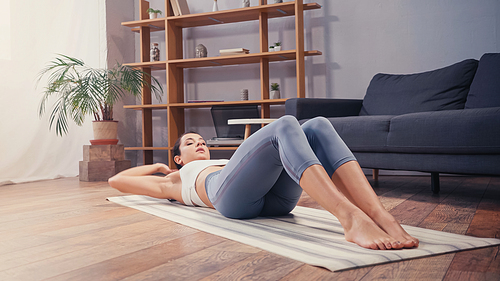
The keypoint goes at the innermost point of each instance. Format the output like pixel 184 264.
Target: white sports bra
pixel 189 173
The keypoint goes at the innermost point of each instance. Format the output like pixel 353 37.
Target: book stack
pixel 232 52
pixel 179 7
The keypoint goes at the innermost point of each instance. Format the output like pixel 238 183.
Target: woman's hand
pixel 164 169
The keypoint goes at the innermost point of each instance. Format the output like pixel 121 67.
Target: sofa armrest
pixel 306 108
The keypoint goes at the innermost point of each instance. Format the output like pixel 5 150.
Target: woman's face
pixel 192 147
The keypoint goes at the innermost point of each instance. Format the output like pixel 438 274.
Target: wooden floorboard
pixel 481 264
pixel 200 264
pixel 64 229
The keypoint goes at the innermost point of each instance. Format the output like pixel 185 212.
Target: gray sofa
pixel 441 121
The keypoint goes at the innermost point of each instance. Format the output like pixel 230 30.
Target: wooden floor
pixel 65 230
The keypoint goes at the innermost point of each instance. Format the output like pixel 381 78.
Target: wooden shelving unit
pixel 175 63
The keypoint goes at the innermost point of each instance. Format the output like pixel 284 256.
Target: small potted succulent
pixel 275 91
pixel 153 14
pixel 277 46
pixel 271 48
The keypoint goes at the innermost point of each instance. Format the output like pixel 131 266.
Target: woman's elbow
pixel 114 182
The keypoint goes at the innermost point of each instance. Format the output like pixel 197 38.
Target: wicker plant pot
pixel 105 132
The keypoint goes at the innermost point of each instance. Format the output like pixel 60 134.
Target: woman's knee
pixel 316 125
pixel 317 122
pixel 287 124
pixel 288 120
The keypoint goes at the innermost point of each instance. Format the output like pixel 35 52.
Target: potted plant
pixel 275 91
pixel 277 46
pixel 271 48
pixel 82 90
pixel 153 14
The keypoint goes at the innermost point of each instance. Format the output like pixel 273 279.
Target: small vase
pixel 154 52
pixel 215 8
pixel 277 48
pixel 244 94
pixel 153 15
pixel 275 94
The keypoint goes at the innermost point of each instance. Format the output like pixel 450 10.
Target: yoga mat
pixel 307 235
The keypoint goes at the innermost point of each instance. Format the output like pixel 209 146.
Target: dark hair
pixel 177 144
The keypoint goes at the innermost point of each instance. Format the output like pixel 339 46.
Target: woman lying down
pixel 266 176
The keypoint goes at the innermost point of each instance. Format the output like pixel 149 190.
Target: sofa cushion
pixel 467 131
pixel 485 88
pixel 363 133
pixel 441 89
pixel 481 164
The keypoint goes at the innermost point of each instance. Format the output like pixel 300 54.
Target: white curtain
pixel 31 34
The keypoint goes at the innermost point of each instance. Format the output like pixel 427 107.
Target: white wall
pixel 407 36
pixel 358 39
pixel 35 31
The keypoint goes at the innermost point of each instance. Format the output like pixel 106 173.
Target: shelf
pixel 239 15
pixel 240 59
pixel 222 17
pixel 225 60
pixel 154 24
pixel 154 65
pixel 246 102
pixel 204 104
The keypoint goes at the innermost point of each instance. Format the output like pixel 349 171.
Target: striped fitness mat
pixel 307 235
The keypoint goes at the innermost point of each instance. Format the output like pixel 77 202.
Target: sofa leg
pixel 435 183
pixel 375 174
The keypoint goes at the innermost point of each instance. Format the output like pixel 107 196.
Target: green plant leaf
pixel 81 90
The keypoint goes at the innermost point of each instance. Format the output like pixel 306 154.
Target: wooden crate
pixel 100 162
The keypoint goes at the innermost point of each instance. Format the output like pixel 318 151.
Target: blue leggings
pixel 262 177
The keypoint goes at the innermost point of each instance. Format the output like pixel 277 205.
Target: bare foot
pixel 387 222
pixel 362 230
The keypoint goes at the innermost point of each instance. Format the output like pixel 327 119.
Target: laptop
pixel 231 135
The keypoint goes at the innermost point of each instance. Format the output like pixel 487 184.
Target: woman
pixel 266 176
